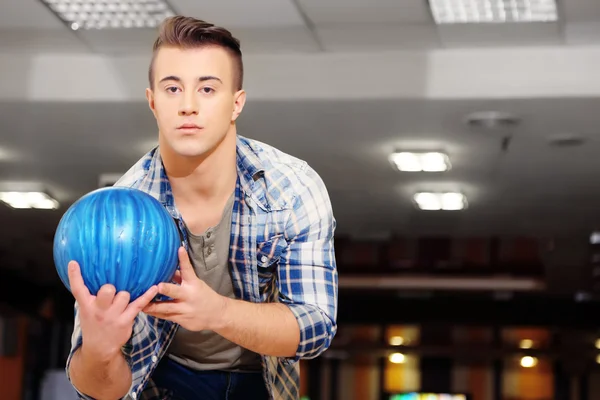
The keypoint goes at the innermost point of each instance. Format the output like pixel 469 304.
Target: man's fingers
pixel 121 301
pixel 176 277
pixel 105 296
pixel 162 309
pixel 171 290
pixel 185 266
pixel 78 288
pixel 135 307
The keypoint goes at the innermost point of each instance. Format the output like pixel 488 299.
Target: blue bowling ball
pixel 120 236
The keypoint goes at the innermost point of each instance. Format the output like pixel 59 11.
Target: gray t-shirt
pixel 206 350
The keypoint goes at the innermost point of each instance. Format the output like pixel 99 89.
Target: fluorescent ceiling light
pixel 420 162
pixel 106 14
pixel 36 200
pixel 493 11
pixel 449 201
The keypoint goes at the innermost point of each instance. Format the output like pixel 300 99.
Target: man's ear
pixel 238 105
pixel 150 98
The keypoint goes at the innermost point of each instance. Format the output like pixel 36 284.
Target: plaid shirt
pixel 281 250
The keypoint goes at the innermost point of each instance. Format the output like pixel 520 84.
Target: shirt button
pixel 208 235
pixel 208 251
pixel 154 359
pixel 133 395
pixel 264 259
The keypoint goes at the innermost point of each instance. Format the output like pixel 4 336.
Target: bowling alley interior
pixel 458 141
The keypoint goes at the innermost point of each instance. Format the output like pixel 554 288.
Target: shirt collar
pixel 156 182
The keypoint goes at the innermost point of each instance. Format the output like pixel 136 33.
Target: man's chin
pixel 190 148
pixel 191 151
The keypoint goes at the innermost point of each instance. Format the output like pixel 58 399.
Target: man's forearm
pixel 265 328
pixel 108 379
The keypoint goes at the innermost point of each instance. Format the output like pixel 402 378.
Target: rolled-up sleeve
pixel 76 340
pixel 308 280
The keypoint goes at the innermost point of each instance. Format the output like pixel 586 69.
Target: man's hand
pixel 195 306
pixel 106 319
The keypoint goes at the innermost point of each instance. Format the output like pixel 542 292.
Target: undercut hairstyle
pixel 188 33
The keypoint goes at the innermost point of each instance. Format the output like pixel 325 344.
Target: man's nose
pixel 189 104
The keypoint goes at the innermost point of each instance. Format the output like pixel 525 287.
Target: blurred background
pixel 458 139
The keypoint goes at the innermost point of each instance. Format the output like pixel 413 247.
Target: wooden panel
pixel 366 380
pixel 536 383
pixel 404 377
pixel 401 253
pixel 520 255
pixel 11 367
pixel 471 253
pixel 434 252
pixel 303 378
pixel 540 337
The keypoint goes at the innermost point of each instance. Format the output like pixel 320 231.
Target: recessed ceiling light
pixel 449 201
pixel 528 362
pixel 92 14
pixel 37 200
pixel 493 11
pixel 420 162
pixel 397 358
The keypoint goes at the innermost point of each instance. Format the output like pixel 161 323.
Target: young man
pixel 257 287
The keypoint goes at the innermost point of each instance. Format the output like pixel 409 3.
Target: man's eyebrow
pixel 201 79
pixel 209 78
pixel 170 78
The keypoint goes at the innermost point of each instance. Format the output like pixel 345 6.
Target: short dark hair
pixel 188 32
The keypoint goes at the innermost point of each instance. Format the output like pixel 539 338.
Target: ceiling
pixel 267 26
pixel 374 75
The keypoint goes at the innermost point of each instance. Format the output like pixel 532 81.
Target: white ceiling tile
pixel 323 12
pixel 516 34
pixel 31 14
pixel 241 13
pixel 276 40
pixel 582 33
pixel 36 41
pixel 581 10
pixel 253 40
pixel 379 37
pixel 119 41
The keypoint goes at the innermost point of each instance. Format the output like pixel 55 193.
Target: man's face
pixel 194 99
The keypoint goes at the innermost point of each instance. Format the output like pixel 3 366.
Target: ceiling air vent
pixel 492 120
pixel 566 140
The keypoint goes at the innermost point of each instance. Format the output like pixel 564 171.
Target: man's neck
pixel 207 180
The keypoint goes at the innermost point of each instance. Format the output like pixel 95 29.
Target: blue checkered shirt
pixel 281 250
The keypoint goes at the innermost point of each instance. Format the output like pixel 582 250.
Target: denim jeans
pixel 187 384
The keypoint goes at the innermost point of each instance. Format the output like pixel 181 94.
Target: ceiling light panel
pixel 449 201
pixel 37 200
pixel 493 11
pixel 110 14
pixel 420 161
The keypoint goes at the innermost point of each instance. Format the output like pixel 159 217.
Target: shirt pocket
pixel 268 256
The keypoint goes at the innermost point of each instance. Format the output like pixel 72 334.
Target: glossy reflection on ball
pixel 120 236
